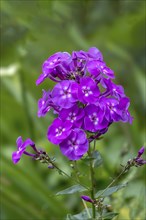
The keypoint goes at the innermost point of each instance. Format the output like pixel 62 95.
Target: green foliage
pixel 109 191
pixel 30 32
pixel 109 216
pixel 81 215
pixel 71 190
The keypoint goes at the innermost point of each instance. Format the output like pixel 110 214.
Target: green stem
pixel 114 180
pixel 76 170
pixel 92 184
pixel 63 172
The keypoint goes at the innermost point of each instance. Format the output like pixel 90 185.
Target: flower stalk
pixel 92 184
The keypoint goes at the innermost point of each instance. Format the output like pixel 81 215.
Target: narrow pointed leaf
pixel 109 191
pixel 109 215
pixel 72 189
pixel 97 159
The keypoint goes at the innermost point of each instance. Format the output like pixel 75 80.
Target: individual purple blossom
pixel 45 104
pixel 95 67
pixel 87 199
pixel 74 115
pixel 54 67
pixel 116 110
pixel 99 70
pixel 94 119
pixel 88 90
pixel 21 149
pixel 112 89
pixel 95 53
pixel 64 94
pixel 59 130
pixel 75 145
pixel 123 105
pixel 77 68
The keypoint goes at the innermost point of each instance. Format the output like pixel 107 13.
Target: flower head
pixel 21 147
pixel 85 99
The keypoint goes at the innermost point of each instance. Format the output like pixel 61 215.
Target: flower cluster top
pixel 85 100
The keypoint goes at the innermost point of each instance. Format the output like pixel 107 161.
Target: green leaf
pixel 109 191
pixel 109 215
pixel 82 215
pixel 72 189
pixel 97 159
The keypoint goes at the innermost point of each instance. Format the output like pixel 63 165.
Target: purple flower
pixel 74 115
pixel 109 73
pixel 64 93
pixel 138 160
pixel 54 67
pixel 59 130
pixel 94 119
pixel 95 68
pixel 112 89
pixel 99 70
pixel 45 104
pixel 78 65
pixel 124 104
pixel 76 145
pixel 87 199
pixel 115 110
pixel 88 90
pixel 94 53
pixel 21 147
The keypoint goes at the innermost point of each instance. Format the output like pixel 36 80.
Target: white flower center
pixel 86 90
pixel 59 131
pixel 93 117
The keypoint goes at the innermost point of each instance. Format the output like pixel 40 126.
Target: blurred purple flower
pixel 95 53
pixel 21 147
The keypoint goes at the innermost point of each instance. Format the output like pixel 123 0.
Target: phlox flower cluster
pixel 85 100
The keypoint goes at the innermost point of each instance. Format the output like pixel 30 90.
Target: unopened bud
pixel 109 208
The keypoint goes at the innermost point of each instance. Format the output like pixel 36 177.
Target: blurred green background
pixel 32 30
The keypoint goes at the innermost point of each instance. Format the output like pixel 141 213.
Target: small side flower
pixel 21 149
